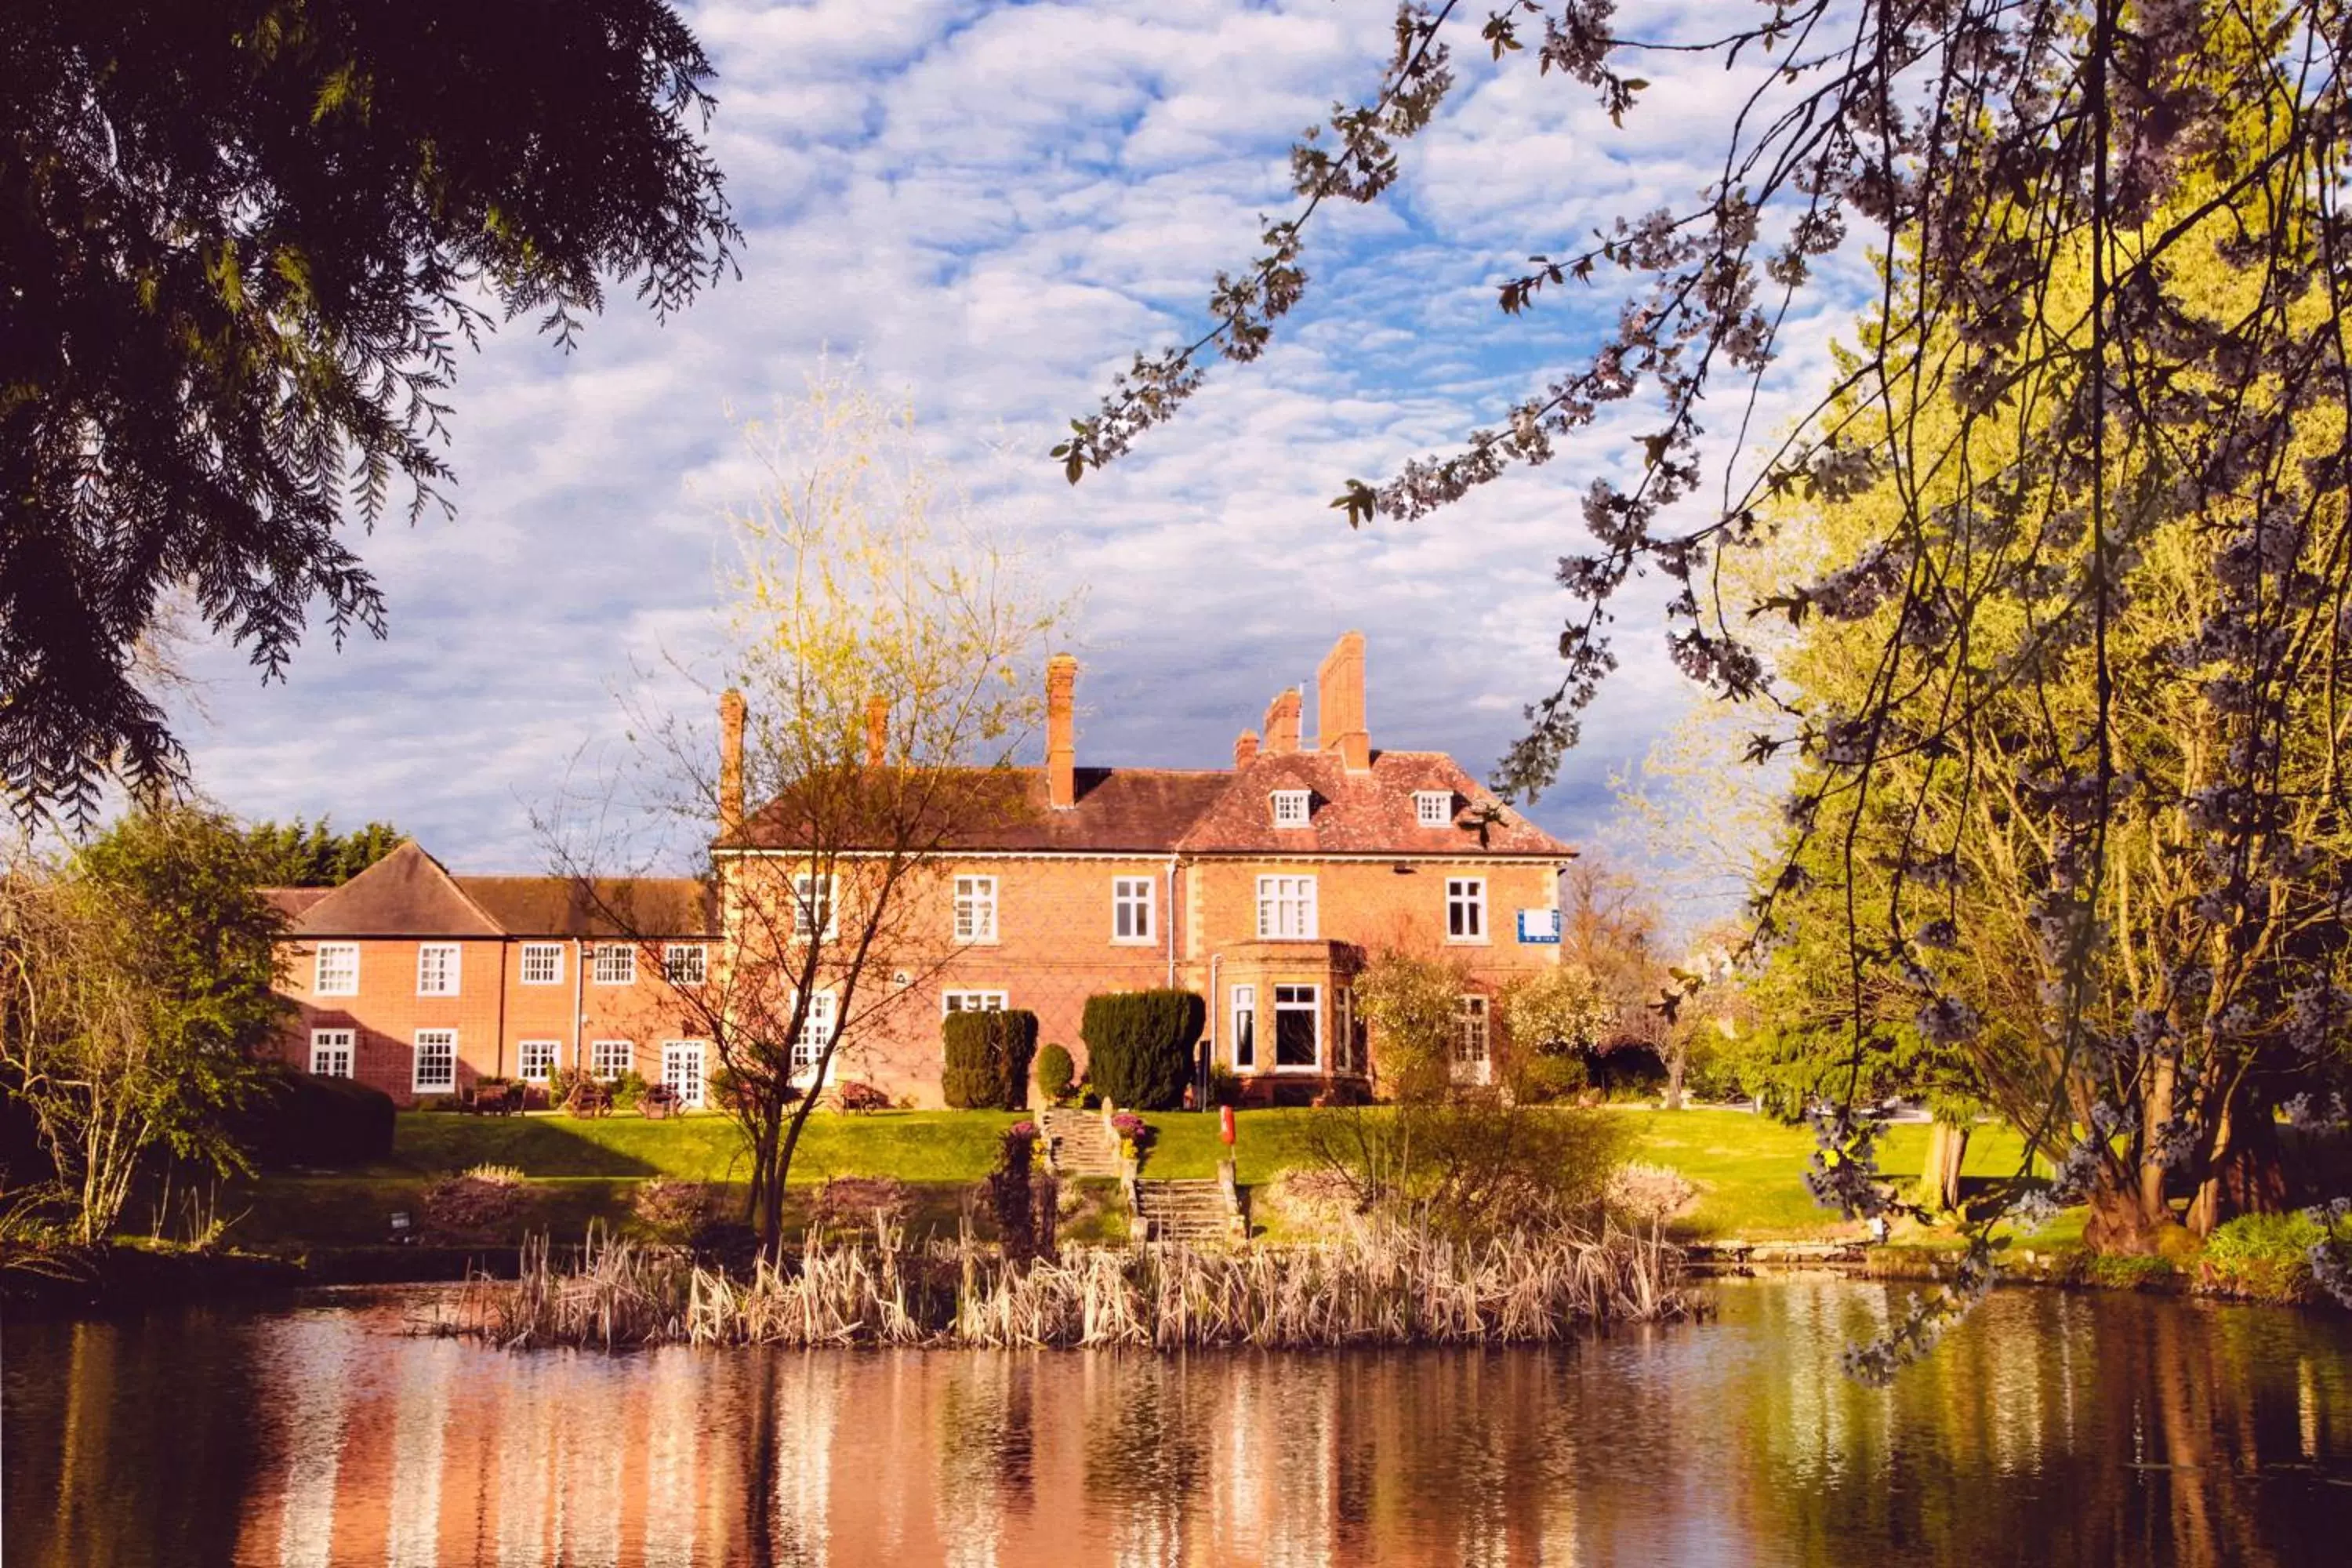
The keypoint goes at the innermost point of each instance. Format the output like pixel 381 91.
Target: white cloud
pixel 994 207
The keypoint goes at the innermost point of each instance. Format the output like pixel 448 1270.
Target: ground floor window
pixel 1471 1038
pixel 435 1068
pixel 1244 1051
pixel 972 1001
pixel 331 1051
pixel 611 1058
pixel 817 1031
pixel 1348 1045
pixel 1297 1027
pixel 537 1061
pixel 682 1071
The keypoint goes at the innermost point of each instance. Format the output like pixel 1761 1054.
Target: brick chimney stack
pixel 1282 723
pixel 1061 732
pixel 1244 750
pixel 878 731
pixel 1339 704
pixel 731 763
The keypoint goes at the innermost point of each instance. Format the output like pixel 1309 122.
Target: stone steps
pixel 1077 1145
pixel 1183 1210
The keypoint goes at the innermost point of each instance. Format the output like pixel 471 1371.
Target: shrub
pixel 484 1200
pixel 674 1211
pixel 1010 1194
pixel 1649 1194
pixel 300 1119
pixel 860 1097
pixel 854 1203
pixel 1139 1045
pixel 2267 1256
pixel 1056 1073
pixel 626 1089
pixel 988 1059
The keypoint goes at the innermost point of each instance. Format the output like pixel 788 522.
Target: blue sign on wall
pixel 1540 926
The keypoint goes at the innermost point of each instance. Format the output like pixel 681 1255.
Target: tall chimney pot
pixel 1061 732
pixel 1282 723
pixel 731 763
pixel 1339 704
pixel 1244 750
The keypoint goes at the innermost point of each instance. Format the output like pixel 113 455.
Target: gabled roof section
pixel 617 906
pixel 291 902
pixel 1362 814
pixel 1118 810
pixel 406 893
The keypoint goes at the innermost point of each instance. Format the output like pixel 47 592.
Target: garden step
pixel 1183 1210
pixel 1078 1145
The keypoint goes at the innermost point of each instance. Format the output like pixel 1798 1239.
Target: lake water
pixel 2051 1428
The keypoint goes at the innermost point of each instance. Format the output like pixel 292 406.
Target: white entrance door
pixel 682 1071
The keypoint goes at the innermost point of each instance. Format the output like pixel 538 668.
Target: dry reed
pixel 1388 1286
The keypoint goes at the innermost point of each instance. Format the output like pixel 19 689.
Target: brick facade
pixel 1381 838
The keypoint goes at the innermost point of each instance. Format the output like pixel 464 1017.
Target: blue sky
pixel 992 207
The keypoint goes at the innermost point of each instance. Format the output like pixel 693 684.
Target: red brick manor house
pixel 1260 885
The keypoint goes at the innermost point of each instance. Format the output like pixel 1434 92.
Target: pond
pixel 2051 1428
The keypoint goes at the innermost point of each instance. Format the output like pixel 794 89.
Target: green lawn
pixel 1749 1169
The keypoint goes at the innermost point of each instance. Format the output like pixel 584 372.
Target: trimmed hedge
pixel 1056 1072
pixel 300 1119
pixel 988 1059
pixel 1139 1045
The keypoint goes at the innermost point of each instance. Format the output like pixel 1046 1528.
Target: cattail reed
pixel 1389 1286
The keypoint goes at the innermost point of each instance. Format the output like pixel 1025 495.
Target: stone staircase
pixel 1195 1212
pixel 1078 1145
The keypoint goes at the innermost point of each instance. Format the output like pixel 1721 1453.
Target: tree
pixel 313 854
pixel 2045 410
pixel 1553 1021
pixel 239 243
pixel 137 985
pixel 883 653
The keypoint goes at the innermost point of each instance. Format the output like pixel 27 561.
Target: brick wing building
pixel 1261 885
pixel 421 982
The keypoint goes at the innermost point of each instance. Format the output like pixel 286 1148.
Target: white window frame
pixel 1244 1011
pixel 697 1083
pixel 976 909
pixel 968 1001
pixel 1474 1037
pixel 1466 910
pixel 1344 1056
pixel 612 963
pixel 1313 1008
pixel 1131 906
pixel 609 1059
pixel 1285 909
pixel 451 979
pixel 329 1043
pixel 686 962
pixel 441 1084
pixel 526 1049
pixel 543 963
pixel 821 1022
pixel 322 976
pixel 808 901
pixel 1292 808
pixel 1432 808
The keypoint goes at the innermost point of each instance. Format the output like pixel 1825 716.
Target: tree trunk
pixel 2247 1173
pixel 1940 1179
pixel 1677 1064
pixel 2122 1222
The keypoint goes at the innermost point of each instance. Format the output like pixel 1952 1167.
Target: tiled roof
pixel 561 906
pixel 1136 810
pixel 1361 813
pixel 409 893
pixel 1159 811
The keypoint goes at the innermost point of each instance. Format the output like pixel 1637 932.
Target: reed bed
pixel 1388 1287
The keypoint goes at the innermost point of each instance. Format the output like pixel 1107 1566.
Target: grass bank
pixel 1748 1170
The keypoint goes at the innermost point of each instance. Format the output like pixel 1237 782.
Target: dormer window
pixel 1290 808
pixel 1433 807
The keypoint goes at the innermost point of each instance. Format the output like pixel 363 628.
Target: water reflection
pixel 2053 1429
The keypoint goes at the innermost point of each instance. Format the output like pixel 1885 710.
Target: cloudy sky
pixel 991 207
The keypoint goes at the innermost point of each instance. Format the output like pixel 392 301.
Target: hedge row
pixel 988 1059
pixel 1141 1044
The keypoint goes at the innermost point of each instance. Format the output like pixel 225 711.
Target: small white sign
pixel 1540 926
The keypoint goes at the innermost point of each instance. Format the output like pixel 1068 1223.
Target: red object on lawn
pixel 1225 1124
